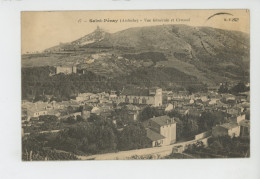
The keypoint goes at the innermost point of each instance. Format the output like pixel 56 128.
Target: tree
pixel 48 118
pixel 223 88
pixel 71 119
pixel 179 128
pixel 149 112
pixel 240 87
pixel 190 127
pixel 208 120
pixel 79 118
pixel 132 137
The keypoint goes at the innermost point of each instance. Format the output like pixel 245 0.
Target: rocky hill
pixel 206 54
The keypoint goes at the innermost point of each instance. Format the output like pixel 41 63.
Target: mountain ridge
pixel 209 54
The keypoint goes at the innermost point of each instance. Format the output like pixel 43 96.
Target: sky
pixel 44 29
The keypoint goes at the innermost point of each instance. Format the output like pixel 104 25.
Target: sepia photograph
pixel 135 84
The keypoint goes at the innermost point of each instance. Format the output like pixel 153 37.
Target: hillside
pixel 205 54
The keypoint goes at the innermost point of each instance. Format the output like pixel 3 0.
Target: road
pixel 123 155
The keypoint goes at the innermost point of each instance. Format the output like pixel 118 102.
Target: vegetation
pixel 223 88
pixel 85 138
pixel 133 136
pixel 47 155
pixel 207 120
pixel 221 147
pixel 238 88
pixel 145 157
pixel 154 56
pixel 37 82
pixel 149 112
pixel 34 148
pixel 188 125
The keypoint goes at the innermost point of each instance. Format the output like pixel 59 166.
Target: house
pixel 213 101
pixel 151 96
pixel 83 96
pixel 181 95
pixel 169 108
pixel 36 113
pixel 232 111
pixel 167 96
pixel 96 110
pixel 165 129
pixel 204 98
pixel 193 112
pixel 133 112
pixel 230 129
pixel 75 114
pixel 85 114
pixel 156 138
pixel 112 94
pixel 66 69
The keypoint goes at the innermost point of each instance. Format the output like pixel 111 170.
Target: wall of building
pixel 37 114
pixel 244 131
pixel 241 118
pixel 74 69
pixel 136 99
pixel 158 143
pixel 66 70
pixel 169 132
pixel 234 132
pixel 155 100
pixel 202 135
pixel 158 97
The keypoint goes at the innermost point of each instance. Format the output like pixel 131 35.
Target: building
pixel 36 113
pixel 230 129
pixel 244 128
pixel 132 112
pixel 112 94
pixel 141 96
pixel 169 108
pixel 161 130
pixel 66 69
pixel 83 96
pixel 85 114
pixel 155 138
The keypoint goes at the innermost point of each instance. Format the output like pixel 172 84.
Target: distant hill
pixel 206 54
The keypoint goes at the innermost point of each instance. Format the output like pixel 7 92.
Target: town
pixel 134 119
pixel 151 92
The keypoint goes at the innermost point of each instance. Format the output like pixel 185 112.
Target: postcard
pixel 135 84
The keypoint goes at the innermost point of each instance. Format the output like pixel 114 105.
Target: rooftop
pixel 153 136
pixel 162 120
pixel 229 125
pixel 244 123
